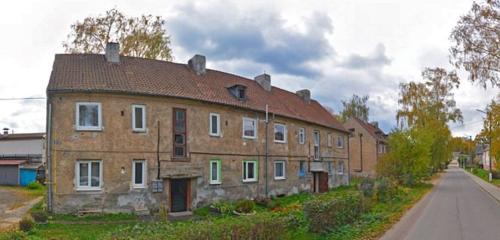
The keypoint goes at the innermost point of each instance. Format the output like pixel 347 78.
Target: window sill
pixel 249 138
pixel 88 129
pixel 280 142
pixel 88 189
pixel 213 135
pixel 280 178
pixel 139 130
pixel 215 183
pixel 138 187
pixel 181 159
pixel 250 181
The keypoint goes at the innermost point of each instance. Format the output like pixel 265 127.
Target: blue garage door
pixel 27 176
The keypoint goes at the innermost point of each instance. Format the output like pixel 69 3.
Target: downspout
pixel 361 151
pixel 158 152
pixel 348 160
pixel 48 130
pixel 266 149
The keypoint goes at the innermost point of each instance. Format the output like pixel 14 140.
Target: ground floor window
pixel 215 172
pixel 250 171
pixel 89 175
pixel 279 170
pixel 341 168
pixel 330 168
pixel 139 173
pixel 302 168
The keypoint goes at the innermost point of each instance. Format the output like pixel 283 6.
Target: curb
pixel 480 182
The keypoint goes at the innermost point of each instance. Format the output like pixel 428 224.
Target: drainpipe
pixel 48 130
pixel 266 149
pixel 158 152
pixel 361 151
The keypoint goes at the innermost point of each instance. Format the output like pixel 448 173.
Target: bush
pixel 385 190
pixel 329 213
pixel 26 224
pixel 245 206
pixel 34 186
pixel 267 203
pixel 223 208
pixel 366 186
pixel 40 216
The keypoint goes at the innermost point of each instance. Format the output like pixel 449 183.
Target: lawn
pixel 483 174
pixel 24 194
pixel 284 215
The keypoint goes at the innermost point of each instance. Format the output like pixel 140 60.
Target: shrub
pixel 366 186
pixel 222 207
pixel 26 224
pixel 13 235
pixel 385 190
pixel 40 216
pixel 34 186
pixel 267 203
pixel 329 213
pixel 245 206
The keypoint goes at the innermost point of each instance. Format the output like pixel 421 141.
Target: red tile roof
pixel 92 73
pixel 376 132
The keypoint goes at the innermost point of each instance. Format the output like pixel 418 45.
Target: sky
pixel 334 48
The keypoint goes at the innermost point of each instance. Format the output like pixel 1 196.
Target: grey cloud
pixel 377 59
pixel 259 36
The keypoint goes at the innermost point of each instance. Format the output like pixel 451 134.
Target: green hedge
pixel 328 213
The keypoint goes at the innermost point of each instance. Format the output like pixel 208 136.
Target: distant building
pixel 21 156
pixel 366 145
pixel 485 158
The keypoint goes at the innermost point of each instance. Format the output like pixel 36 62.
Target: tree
pixel 143 36
pixel 476 47
pixel 355 107
pixel 491 129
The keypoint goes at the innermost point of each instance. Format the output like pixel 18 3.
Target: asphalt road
pixel 457 209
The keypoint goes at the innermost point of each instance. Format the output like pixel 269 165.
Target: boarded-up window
pixel 179 132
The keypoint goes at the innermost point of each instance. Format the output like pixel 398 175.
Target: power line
pixel 27 98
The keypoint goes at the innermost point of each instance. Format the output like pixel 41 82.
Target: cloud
pixel 377 59
pixel 254 35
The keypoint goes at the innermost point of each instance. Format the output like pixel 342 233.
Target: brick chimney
pixel 197 64
pixel 305 94
pixel 112 52
pixel 264 80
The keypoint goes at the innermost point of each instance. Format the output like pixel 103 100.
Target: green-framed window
pixel 215 172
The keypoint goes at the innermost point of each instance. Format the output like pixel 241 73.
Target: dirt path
pixel 13 206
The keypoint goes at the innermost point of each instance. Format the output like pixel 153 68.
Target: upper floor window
pixel 280 133
pixel 381 148
pixel 88 116
pixel 139 118
pixel 238 91
pixel 179 132
pixel 340 142
pixel 302 135
pixel 139 173
pixel 88 175
pixel 279 170
pixel 249 128
pixel 214 124
pixel 316 145
pixel 329 140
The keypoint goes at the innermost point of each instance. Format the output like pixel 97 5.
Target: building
pixel 485 158
pixel 131 134
pixel 20 157
pixel 367 144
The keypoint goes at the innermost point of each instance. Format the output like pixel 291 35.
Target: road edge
pixel 399 230
pixel 492 190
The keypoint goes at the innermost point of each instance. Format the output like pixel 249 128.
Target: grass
pixel 24 193
pixel 370 225
pixel 484 174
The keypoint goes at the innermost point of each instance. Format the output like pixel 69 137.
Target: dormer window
pixel 238 91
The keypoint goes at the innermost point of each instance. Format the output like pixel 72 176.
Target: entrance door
pixel 323 182
pixel 179 195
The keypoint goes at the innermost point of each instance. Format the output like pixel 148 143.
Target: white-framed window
pixel 249 128
pixel 302 136
pixel 329 140
pixel 139 118
pixel 340 142
pixel 88 175
pixel 139 171
pixel 316 145
pixel 250 171
pixel 381 148
pixel 214 122
pixel 88 116
pixel 215 172
pixel 340 169
pixel 330 168
pixel 302 168
pixel 279 170
pixel 280 133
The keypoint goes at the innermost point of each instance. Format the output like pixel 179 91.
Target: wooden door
pixel 179 195
pixel 323 182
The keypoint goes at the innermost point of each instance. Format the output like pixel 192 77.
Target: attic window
pixel 238 91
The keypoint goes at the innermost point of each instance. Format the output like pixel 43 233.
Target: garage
pixel 9 172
